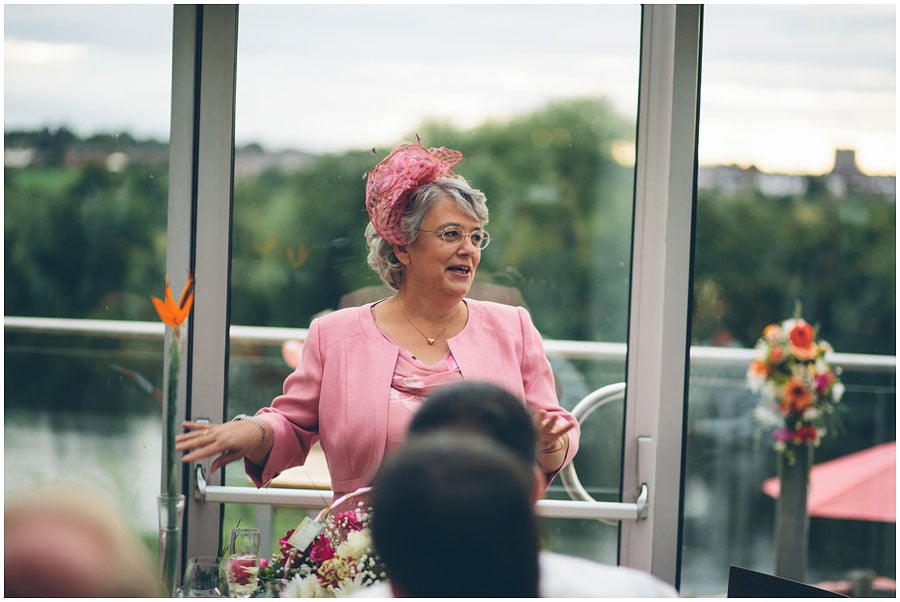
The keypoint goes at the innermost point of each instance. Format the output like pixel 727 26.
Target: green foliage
pixel 87 242
pixel 756 257
pixel 83 243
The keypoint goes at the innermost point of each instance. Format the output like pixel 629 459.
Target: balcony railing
pixel 587 350
pixel 572 350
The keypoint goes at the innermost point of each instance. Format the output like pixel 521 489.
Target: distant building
pixel 733 179
pixel 844 176
pixel 18 157
pixel 251 161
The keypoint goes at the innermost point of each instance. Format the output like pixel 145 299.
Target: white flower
pixel 349 587
pixel 767 416
pixel 357 544
pixel 756 382
pixel 811 414
pixel 837 391
pixel 304 587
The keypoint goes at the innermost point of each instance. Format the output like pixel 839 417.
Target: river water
pixel 117 455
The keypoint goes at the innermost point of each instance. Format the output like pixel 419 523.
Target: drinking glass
pixel 202 578
pixel 243 562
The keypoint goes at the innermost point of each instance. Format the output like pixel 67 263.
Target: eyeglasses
pixel 454 236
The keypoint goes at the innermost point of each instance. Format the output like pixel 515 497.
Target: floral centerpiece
pixel 338 562
pixel 799 391
pixel 799 396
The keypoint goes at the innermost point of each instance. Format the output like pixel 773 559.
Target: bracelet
pixel 252 420
pixel 561 445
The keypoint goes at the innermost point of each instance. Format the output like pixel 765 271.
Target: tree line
pixel 86 241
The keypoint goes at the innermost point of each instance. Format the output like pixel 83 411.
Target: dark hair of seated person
pixel 452 517
pixel 481 408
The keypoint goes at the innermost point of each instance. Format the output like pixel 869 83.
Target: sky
pixel 782 87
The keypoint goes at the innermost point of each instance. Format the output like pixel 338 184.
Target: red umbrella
pixel 858 486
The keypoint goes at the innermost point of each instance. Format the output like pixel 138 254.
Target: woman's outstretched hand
pixel 553 443
pixel 229 442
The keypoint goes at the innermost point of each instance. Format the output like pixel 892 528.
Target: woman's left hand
pixel 551 430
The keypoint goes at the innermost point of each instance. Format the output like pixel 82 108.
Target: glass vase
pixel 792 518
pixel 171 510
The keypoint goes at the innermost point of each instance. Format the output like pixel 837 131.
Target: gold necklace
pixel 429 339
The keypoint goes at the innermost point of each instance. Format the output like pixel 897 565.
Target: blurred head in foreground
pixel 69 542
pixel 451 501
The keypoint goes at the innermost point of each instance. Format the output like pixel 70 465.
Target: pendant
pixel 430 340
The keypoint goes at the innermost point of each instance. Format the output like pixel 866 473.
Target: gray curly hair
pixel 381 253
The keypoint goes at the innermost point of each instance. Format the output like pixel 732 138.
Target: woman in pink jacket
pixel 365 370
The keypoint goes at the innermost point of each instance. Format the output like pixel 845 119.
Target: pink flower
pixel 322 549
pixel 824 381
pixel 783 435
pixel 349 520
pixel 284 543
pixel 776 355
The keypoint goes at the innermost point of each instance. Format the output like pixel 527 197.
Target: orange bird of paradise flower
pixel 173 314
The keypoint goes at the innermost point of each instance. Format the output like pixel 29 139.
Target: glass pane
pixel 541 100
pixel 796 208
pixel 86 110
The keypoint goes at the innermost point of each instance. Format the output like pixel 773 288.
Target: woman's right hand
pixel 229 442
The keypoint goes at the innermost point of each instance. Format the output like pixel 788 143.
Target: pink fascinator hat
pixel 391 182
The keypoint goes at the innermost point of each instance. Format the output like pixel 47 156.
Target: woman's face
pixel 434 265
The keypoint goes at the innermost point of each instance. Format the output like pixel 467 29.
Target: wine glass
pixel 201 578
pixel 243 562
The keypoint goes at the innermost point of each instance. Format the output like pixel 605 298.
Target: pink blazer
pixel 339 391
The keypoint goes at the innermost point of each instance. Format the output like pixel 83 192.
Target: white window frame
pixel 199 236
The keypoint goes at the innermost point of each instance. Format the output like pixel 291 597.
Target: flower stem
pixel 171 482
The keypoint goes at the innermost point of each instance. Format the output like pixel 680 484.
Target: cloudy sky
pixel 783 86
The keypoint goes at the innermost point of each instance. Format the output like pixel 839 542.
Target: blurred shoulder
pixel 572 576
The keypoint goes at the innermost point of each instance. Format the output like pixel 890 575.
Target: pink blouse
pixel 412 382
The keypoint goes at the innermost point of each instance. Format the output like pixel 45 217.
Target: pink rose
pixel 776 355
pixel 322 549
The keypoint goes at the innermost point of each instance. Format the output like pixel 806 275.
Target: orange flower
pixel 171 313
pixel 796 396
pixel 759 369
pixel 802 334
pixel 803 340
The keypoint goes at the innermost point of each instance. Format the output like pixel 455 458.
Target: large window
pixel 541 101
pixel 86 117
pixel 796 204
